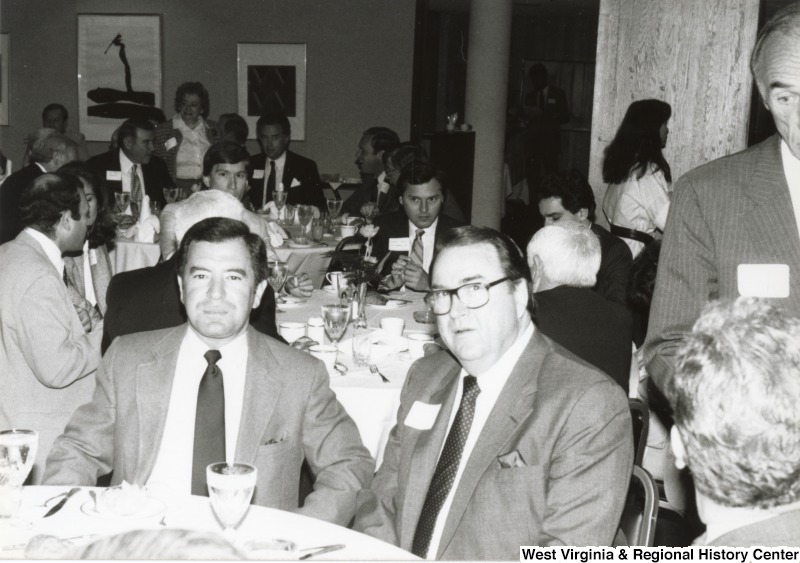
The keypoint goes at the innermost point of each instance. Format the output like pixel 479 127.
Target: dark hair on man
pixel 637 145
pixel 130 126
pixel 234 125
pixel 418 172
pixel 274 118
pixel 196 88
pixel 50 107
pixel 222 229
pixel 382 139
pixel 786 21
pixel 404 153
pixel 104 229
pixel 225 152
pixel 572 188
pixel 512 259
pixel 46 198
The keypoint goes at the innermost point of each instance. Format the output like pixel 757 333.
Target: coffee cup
pixel 337 280
pixel 348 230
pixel 291 331
pixel 393 325
pixel 326 353
pixel 417 342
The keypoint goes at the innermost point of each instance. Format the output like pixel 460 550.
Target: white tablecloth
pixel 190 512
pixel 131 255
pixel 370 402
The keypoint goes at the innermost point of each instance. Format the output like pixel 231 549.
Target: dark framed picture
pixel 4 59
pixel 272 78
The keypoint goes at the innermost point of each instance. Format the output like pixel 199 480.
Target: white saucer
pixel 153 507
pixel 391 304
pixel 293 244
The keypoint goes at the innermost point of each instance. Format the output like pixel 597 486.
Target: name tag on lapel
pixel 400 244
pixel 422 416
pixel 171 143
pixel 763 280
pixel 113 175
pixel 258 174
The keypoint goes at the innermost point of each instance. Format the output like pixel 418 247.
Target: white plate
pixel 329 289
pixel 391 304
pixel 152 508
pixel 293 244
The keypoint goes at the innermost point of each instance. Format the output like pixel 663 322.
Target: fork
pixel 374 369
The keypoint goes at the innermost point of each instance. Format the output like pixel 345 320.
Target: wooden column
pixel 487 85
pixel 692 54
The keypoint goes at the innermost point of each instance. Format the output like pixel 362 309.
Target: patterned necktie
pixel 136 186
pixel 446 469
pixel 417 249
pixel 270 182
pixel 209 423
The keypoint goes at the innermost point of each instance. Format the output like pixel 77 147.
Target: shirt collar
pixel 125 163
pixel 791 164
pixel 498 374
pixel 49 247
pixel 42 168
pixel 280 161
pixel 412 228
pixel 382 177
pixel 235 349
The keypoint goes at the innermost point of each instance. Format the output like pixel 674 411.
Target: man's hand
pixel 416 278
pixel 299 285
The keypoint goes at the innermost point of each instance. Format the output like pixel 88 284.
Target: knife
pixel 62 502
pixel 320 551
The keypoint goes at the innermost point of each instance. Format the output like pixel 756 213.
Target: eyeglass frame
pixel 454 292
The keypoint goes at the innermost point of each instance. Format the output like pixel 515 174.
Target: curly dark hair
pixel 193 88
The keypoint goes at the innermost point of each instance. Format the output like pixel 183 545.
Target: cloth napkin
pixel 147 226
pixel 276 234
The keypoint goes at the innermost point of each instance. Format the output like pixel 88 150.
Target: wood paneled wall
pixel 692 54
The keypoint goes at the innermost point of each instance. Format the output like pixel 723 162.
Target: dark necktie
pixel 64 276
pixel 209 423
pixel 136 186
pixel 417 249
pixel 271 180
pixel 446 469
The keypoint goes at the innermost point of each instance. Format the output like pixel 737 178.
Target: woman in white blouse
pixel 639 178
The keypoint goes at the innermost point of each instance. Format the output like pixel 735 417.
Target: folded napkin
pixel 146 226
pixel 273 211
pixel 276 234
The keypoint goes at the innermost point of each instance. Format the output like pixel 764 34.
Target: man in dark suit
pixel 749 244
pixel 567 197
pixel 564 261
pixel 405 252
pixel 49 151
pixel 215 389
pixel 734 392
pixel 298 174
pixel 504 440
pixel 133 167
pixel 374 143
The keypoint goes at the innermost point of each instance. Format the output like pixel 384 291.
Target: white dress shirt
pixel 194 144
pixel 491 384
pixel 88 258
pixel 126 169
pixel 50 249
pixel 428 242
pixel 791 168
pixel 172 472
pixel 280 164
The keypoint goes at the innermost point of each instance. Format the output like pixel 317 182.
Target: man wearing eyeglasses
pixel 507 440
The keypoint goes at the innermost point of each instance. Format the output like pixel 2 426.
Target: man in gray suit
pixel 46 354
pixel 733 223
pixel 506 440
pixel 169 402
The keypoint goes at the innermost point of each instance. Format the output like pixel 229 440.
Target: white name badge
pixel 400 244
pixel 171 143
pixel 295 183
pixel 114 175
pixel 258 174
pixel 763 280
pixel 422 416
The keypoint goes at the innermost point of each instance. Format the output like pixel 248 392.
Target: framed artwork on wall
pixel 119 71
pixel 4 59
pixel 272 78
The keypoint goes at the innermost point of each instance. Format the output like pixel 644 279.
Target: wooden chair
pixel 354 245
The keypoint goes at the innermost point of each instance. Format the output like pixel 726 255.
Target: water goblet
pixel 172 194
pixel 280 200
pixel 334 208
pixel 276 277
pixel 230 488
pixel 17 454
pixel 122 200
pixel 305 213
pixel 335 318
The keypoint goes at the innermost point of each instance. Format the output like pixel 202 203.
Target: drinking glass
pixel 276 277
pixel 280 200
pixel 334 208
pixel 172 194
pixel 335 318
pixel 122 201
pixel 362 347
pixel 305 213
pixel 317 230
pixel 230 488
pixel 17 454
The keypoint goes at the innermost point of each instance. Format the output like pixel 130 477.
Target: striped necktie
pixel 417 249
pixel 136 186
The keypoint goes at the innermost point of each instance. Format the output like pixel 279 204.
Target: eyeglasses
pixel 473 295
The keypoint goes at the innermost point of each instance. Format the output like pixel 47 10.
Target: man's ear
pixel 537 269
pixel 127 143
pixel 180 287
pixel 676 442
pixel 207 181
pixel 583 214
pixel 259 293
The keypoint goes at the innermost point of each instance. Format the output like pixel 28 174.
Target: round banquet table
pixel 371 403
pixel 74 521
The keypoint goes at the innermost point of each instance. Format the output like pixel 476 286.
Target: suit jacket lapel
pixel 424 451
pixel 261 394
pixel 101 276
pixel 771 221
pixel 512 408
pixel 154 378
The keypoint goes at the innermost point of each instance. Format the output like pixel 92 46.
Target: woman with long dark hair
pixel 89 272
pixel 639 178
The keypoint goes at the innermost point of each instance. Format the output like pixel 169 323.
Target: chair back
pixel 640 514
pixel 640 417
pixel 351 245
